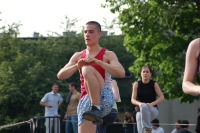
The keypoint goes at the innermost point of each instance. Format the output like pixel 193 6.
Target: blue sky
pixel 45 16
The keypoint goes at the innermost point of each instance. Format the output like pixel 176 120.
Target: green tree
pixel 158 33
pixel 28 68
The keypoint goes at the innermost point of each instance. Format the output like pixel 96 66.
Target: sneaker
pixel 147 130
pixel 93 115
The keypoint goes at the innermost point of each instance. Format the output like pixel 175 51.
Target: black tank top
pixel 146 92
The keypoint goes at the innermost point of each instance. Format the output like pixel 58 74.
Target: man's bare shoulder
pixel 109 52
pixel 110 55
pixel 78 53
pixel 75 57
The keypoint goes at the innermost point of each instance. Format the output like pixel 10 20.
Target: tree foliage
pixel 28 68
pixel 157 33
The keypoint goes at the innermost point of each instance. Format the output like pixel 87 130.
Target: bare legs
pixel 94 83
pixel 87 127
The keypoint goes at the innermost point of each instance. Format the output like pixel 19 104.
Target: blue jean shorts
pixel 106 103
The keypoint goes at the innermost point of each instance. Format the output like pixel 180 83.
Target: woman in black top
pixel 147 95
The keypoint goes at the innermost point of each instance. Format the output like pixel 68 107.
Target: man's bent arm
pixel 114 67
pixel 70 68
pixel 44 104
pixel 59 104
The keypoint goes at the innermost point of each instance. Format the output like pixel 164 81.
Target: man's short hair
pixel 95 23
pixel 73 84
pixel 155 122
pixel 56 84
pixel 185 124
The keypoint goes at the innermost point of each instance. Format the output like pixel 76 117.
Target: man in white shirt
pixel 52 102
pixel 156 127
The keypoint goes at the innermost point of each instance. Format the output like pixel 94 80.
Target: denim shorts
pixel 106 103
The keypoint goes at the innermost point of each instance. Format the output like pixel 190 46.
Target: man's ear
pixel 100 34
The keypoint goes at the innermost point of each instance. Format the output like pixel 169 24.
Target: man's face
pixel 91 34
pixel 70 87
pixel 177 125
pixel 55 88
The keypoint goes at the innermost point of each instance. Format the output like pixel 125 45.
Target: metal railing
pixel 55 124
pixel 48 124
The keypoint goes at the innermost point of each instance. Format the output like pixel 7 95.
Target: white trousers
pixel 145 116
pixel 52 123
